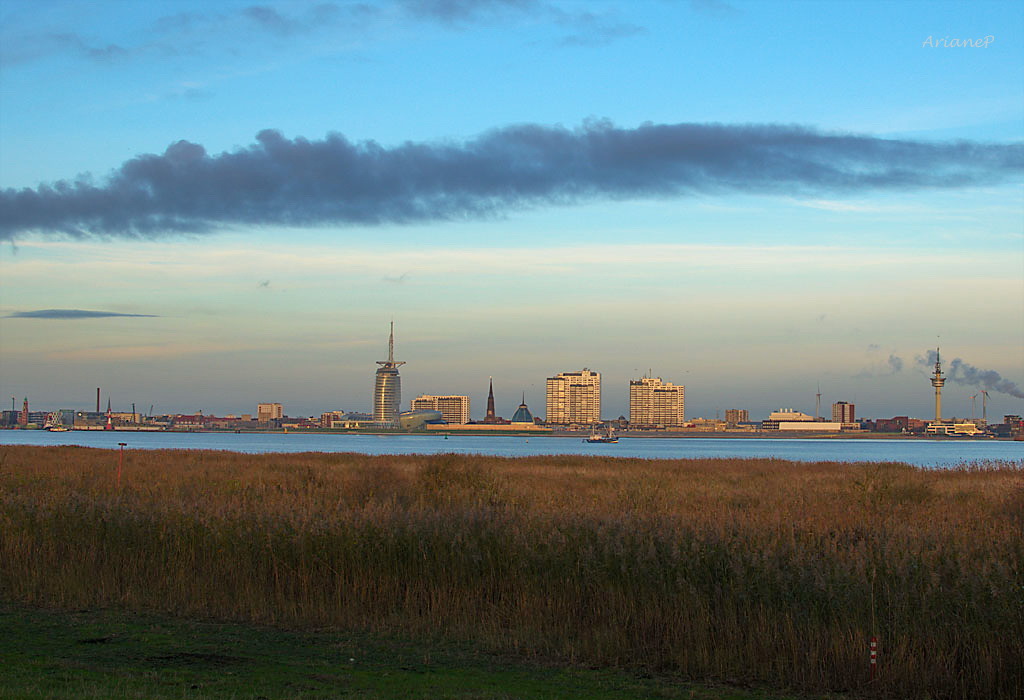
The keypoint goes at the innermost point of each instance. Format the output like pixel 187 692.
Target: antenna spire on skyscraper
pixel 390 362
pixel 387 391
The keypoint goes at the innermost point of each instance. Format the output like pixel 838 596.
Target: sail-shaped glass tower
pixel 387 391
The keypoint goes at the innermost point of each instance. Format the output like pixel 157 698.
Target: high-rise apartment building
pixel 843 412
pixel 454 409
pixel 654 403
pixel 736 415
pixel 574 397
pixel 387 390
pixel 266 412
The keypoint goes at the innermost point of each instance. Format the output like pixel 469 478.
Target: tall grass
pixel 754 570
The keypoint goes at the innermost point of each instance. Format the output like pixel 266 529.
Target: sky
pixel 204 206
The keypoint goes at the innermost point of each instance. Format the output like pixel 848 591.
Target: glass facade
pixel 387 390
pixel 387 395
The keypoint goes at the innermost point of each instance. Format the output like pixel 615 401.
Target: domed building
pixel 522 414
pixel 419 419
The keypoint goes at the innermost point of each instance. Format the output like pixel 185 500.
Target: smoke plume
pixel 959 372
pixel 334 181
pixel 895 363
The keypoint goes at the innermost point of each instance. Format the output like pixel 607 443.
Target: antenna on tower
pixel 391 364
pixel 937 381
pixel 391 343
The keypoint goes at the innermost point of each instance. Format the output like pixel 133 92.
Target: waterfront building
pixel 387 390
pixel 654 403
pixel 345 420
pixel 734 416
pixel 960 428
pixel 806 426
pixel 454 409
pixel 843 412
pixel 419 420
pixel 574 397
pixel 88 419
pixel 789 414
pixel 706 425
pixel 482 428
pixel 900 424
pixel 266 412
pixel 522 414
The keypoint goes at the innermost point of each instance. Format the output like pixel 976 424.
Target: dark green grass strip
pixel 98 654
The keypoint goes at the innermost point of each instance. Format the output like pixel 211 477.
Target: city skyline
pixel 215 208
pixel 460 404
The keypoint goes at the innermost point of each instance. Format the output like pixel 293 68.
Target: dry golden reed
pixel 745 570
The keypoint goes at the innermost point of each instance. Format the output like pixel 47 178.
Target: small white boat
pixel 597 437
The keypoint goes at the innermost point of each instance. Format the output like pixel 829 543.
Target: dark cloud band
pixel 334 181
pixel 73 314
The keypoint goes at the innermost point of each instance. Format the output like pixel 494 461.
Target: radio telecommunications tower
pixel 937 381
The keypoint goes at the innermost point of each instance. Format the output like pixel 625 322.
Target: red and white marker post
pixel 874 656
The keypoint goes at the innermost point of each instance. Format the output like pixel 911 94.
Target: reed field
pixel 756 571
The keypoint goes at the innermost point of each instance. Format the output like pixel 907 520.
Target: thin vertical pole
pixel 120 463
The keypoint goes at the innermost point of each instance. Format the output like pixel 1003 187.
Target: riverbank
pixel 576 434
pixel 762 571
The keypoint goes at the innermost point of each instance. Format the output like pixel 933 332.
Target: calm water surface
pixel 927 453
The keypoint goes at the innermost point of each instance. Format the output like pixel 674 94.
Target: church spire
pixel 490 401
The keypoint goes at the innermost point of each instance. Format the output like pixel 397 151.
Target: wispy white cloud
pixel 853 206
pixel 226 260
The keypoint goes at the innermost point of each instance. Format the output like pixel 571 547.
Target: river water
pixel 920 452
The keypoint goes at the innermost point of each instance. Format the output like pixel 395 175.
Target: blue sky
pixel 844 194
